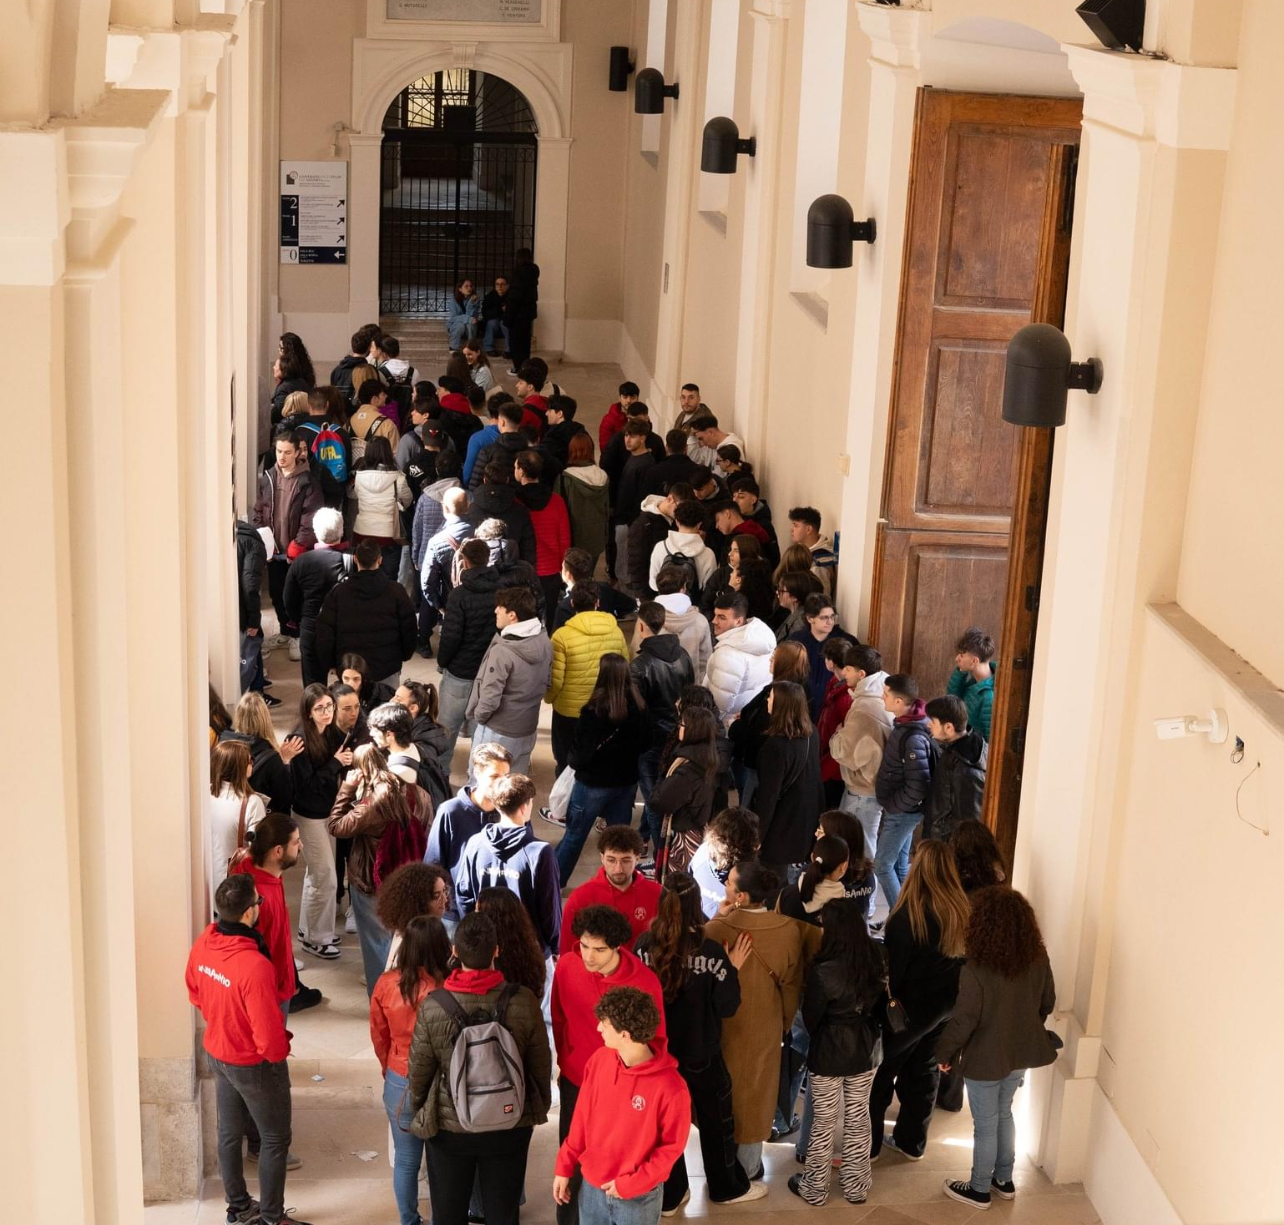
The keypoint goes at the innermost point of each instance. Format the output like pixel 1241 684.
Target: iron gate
pixel 457 189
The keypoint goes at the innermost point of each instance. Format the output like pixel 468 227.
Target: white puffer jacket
pixel 378 495
pixel 740 665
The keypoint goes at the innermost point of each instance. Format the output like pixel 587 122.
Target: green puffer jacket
pixel 978 697
pixel 434 1043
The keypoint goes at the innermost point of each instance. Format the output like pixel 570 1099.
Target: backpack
pixel 396 380
pixel 329 451
pixel 402 841
pixel 359 444
pixel 428 776
pixel 487 1083
pixel 693 575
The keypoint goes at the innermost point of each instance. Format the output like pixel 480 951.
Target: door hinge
pixel 1032 599
pixel 1017 741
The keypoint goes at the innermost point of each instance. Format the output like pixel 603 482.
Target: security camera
pixel 1171 729
pixel 1174 727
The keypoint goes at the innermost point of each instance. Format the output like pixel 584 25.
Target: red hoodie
pixel 535 414
pixel 234 986
pixel 611 425
pixel 639 1119
pixel 274 926
pixel 455 402
pixel 838 701
pixel 576 991
pixel 638 903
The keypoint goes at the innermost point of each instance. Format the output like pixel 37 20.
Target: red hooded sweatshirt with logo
pixel 234 985
pixel 630 1124
pixel 576 991
pixel 638 903
pixel 274 926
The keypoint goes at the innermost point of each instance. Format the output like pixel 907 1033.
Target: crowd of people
pixel 798 913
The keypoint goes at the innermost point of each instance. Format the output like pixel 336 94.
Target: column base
pixel 170 1103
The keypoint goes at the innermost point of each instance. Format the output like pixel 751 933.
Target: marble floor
pixel 341 1131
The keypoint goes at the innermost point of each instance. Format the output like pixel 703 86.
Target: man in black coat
pixel 521 306
pixel 308 582
pixel 496 498
pixel 958 782
pixel 251 561
pixel 676 466
pixel 370 616
pixel 362 339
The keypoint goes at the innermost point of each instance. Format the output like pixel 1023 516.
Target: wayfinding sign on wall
pixel 314 212
pixel 498 11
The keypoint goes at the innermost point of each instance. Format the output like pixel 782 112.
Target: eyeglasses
pixel 824 617
pixel 444 891
pixel 323 708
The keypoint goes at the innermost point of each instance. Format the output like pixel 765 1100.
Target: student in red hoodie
pixel 394 1006
pixel 618 883
pixel 601 961
pixel 617 414
pixel 633 1118
pixel 551 523
pixel 231 979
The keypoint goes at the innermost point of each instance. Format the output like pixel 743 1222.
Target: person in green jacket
pixel 973 677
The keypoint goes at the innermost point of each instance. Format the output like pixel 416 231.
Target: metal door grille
pixel 458 188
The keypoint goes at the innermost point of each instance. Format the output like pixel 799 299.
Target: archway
pixel 458 172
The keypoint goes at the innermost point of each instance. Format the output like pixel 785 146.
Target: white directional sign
pixel 314 212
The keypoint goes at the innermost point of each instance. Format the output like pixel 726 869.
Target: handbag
pixel 897 1021
pixel 559 799
pixel 242 852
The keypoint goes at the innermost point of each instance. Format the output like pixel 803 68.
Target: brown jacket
pixel 286 504
pixel 782 947
pixel 360 423
pixel 857 745
pixel 364 818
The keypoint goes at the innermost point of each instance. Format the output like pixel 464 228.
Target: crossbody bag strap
pixel 240 824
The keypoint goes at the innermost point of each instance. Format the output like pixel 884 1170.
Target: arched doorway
pixel 457 187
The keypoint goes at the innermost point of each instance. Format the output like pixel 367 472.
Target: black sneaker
pixel 335 939
pixel 304 998
pixel 962 1191
pixel 287 1220
pixel 269 700
pixel 889 1142
pixel 552 818
pixel 424 650
pixel 248 1215
pixel 1004 1190
pixel 327 952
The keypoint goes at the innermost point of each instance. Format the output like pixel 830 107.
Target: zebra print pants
pixel 829 1095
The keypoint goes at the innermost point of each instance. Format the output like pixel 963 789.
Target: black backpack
pixel 694 586
pixel 428 777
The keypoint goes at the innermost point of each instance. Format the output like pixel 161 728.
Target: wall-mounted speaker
pixel 1117 24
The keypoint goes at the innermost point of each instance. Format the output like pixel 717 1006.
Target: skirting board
pixel 1122 1187
pixel 593 340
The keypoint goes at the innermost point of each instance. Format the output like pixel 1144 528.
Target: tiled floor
pixel 341 1131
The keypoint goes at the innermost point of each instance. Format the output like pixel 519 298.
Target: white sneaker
pixel 757 1190
pixel 295 653
pixel 350 922
pixel 678 1206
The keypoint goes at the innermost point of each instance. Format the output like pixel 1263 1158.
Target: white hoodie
pixel 740 666
pixel 690 545
pixel 690 626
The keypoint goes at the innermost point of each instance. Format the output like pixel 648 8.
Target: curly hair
pixel 520 959
pixel 407 893
pixel 1002 932
pixel 629 1011
pixel 732 836
pixel 605 923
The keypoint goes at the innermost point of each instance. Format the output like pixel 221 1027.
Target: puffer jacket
pixel 649 529
pixel 505 448
pixel 512 680
pixel 842 1019
pixel 469 623
pixel 439 558
pixel 370 615
pixel 909 757
pixel 588 504
pixel 578 648
pixel 251 559
pixel 958 783
pixel 661 669
pixel 740 665
pixel 433 1045
pixel 501 502
pixel 682 618
pixel 380 497
pixel 551 525
pixel 978 697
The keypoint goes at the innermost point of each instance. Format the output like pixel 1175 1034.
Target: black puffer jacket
pixel 341 375
pixel 433 1045
pixel 645 532
pixel 506 448
pixel 372 616
pixel 904 777
pixel 502 502
pixel 431 739
pixel 789 798
pixel 309 580
pixel 251 559
pixel 469 624
pixel 661 669
pixel 842 1019
pixel 958 783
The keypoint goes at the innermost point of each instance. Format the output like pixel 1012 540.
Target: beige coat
pixel 751 1038
pixel 857 745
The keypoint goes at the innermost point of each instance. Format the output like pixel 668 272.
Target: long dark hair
pixel 756 587
pixel 976 856
pixel 615 690
pixel 378 456
pixel 295 362
pixel 521 957
pixel 846 941
pixel 826 856
pixel 425 949
pixel 699 743
pixel 835 823
pixel 789 714
pixel 316 744
pixel 677 931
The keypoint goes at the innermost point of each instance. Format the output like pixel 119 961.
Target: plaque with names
pixel 493 12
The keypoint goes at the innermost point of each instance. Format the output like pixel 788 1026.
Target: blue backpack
pixel 329 451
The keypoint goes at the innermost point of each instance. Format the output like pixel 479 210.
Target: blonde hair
pixel 296 402
pixel 933 889
pixel 251 718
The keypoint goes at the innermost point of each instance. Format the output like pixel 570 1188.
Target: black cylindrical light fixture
pixel 650 91
pixel 617 80
pixel 831 231
pixel 1040 372
pixel 722 144
pixel 1117 24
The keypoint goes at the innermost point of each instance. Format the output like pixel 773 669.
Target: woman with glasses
pixel 792 589
pixel 317 773
pixel 822 627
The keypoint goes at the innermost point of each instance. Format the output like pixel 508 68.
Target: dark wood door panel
pixel 931 585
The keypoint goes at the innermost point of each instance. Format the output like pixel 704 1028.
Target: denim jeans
pixel 374 938
pixel 258 1093
pixel 409 1148
pixel 587 804
pixel 891 855
pixel 793 1067
pixel 493 326
pixel 750 1157
pixel 459 329
pixel 993 1131
pixel 453 694
pixel 648 774
pixel 521 748
pixel 598 1208
pixel 867 810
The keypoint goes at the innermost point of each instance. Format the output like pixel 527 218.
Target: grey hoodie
pixel 682 618
pixel 514 675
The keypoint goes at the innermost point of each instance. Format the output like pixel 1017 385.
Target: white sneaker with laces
pixel 350 922
pixel 295 653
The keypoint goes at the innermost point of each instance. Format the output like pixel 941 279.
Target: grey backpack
pixel 487 1080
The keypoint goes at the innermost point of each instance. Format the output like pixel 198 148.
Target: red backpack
pixel 402 841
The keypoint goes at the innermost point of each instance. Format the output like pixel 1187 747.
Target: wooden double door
pixel 964 507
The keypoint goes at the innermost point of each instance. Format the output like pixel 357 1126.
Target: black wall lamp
pixel 722 144
pixel 1040 372
pixel 831 231
pixel 650 91
pixel 617 80
pixel 1117 24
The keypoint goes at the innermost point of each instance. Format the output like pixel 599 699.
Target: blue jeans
pixel 648 774
pixel 587 804
pixel 460 328
pixel 891 855
pixel 494 326
pixel 993 1131
pixel 746 780
pixel 867 810
pixel 598 1208
pixel 453 694
pixel 372 936
pixel 408 1148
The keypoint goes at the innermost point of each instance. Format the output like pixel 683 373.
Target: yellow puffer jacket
pixel 578 648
